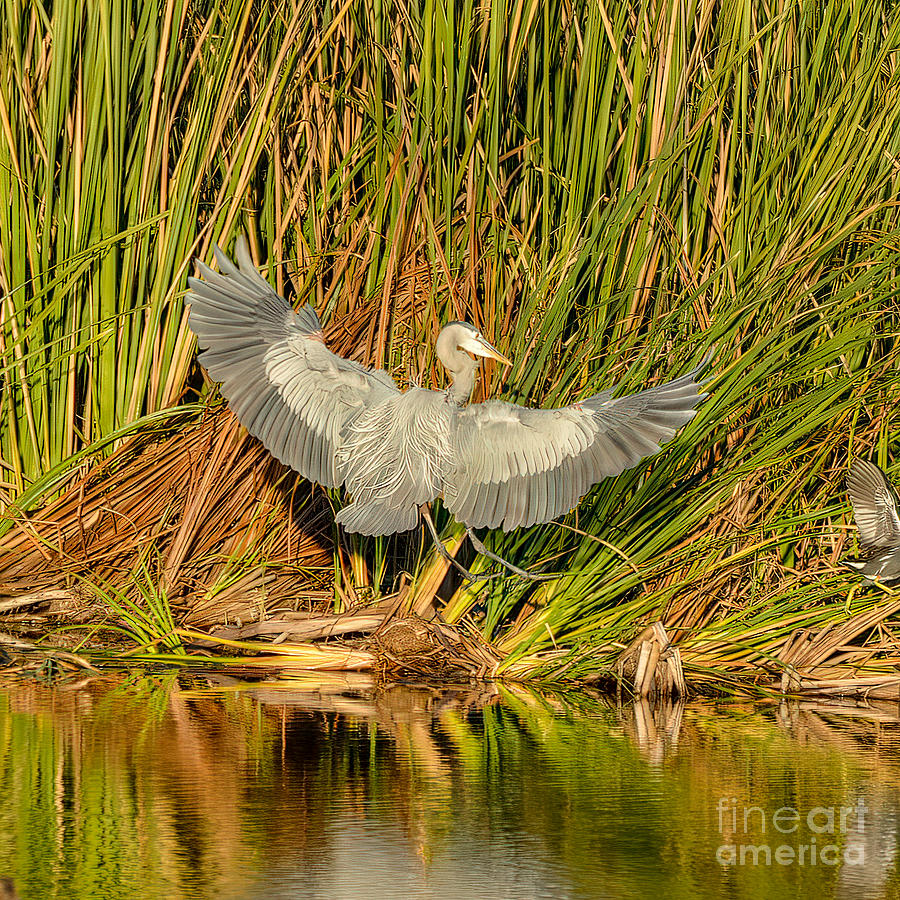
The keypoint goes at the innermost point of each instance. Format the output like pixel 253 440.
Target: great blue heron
pixel 875 510
pixel 494 464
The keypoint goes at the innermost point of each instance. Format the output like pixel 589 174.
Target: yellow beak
pixel 492 352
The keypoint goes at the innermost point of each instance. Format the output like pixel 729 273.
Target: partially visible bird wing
pixel 874 505
pixel 518 466
pixel 279 378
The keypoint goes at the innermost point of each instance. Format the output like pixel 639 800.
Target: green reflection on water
pixel 164 787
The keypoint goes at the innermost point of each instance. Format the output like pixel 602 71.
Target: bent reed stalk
pixel 592 185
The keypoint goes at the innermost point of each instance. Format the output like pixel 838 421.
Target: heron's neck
pixel 462 369
pixel 463 384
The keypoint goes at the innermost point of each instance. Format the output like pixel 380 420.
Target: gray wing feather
pixel 283 384
pixel 517 466
pixel 874 505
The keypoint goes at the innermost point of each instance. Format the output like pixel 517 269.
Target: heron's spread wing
pixel 283 384
pixel 874 505
pixel 517 466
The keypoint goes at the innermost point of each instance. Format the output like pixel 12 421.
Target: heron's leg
pixel 485 552
pixel 481 576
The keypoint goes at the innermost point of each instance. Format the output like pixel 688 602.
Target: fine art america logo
pixel 820 836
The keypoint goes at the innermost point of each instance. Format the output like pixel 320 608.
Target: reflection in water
pixel 328 787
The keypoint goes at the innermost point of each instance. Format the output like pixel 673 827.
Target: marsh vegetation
pixel 606 190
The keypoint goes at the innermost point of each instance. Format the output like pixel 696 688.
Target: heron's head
pixel 456 336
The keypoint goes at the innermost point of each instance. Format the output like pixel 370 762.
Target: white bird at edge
pixel 875 510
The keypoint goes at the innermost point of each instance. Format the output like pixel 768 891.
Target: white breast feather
pixel 398 451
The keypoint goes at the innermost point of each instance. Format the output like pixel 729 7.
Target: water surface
pixel 324 787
